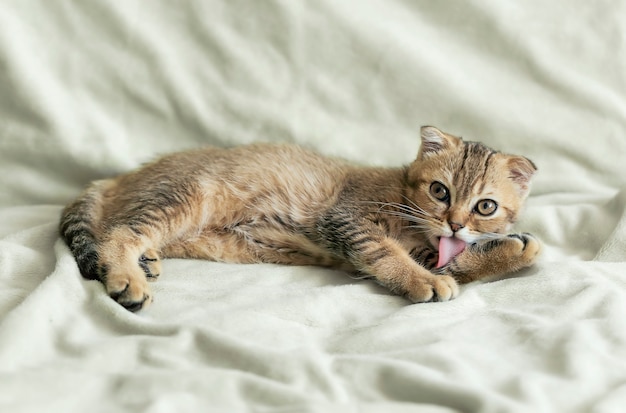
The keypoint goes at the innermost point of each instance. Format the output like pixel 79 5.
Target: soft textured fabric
pixel 93 88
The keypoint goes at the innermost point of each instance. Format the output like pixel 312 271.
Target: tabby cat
pixel 417 230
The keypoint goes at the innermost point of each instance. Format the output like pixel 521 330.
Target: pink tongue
pixel 449 247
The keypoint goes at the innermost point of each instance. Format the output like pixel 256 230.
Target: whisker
pixel 414 205
pixel 484 236
pixel 409 200
pixel 421 230
pixel 420 221
pixel 405 216
pixel 406 208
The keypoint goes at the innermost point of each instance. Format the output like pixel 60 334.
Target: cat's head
pixel 465 189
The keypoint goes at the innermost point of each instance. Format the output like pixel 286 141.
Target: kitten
pixel 417 230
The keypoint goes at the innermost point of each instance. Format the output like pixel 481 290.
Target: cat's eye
pixel 486 207
pixel 439 191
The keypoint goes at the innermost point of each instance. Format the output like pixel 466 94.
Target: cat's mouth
pixel 449 247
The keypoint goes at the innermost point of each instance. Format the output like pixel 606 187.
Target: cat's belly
pixel 246 244
pixel 273 246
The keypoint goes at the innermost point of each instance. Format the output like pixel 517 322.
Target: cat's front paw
pixel 129 289
pixel 493 258
pixel 432 288
pixel 525 247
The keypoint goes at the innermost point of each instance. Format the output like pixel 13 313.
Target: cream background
pixel 89 89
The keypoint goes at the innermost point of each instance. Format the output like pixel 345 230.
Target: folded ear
pixel 434 141
pixel 521 170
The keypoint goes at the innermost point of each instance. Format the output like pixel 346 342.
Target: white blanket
pixel 89 89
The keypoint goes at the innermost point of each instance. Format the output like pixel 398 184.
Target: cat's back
pixel 264 164
pixel 286 163
pixel 261 177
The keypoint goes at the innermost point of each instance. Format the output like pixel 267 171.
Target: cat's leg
pixel 493 258
pixel 392 267
pixel 127 260
pixel 366 247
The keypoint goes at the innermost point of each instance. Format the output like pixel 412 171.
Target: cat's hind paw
pixel 150 264
pixel 130 290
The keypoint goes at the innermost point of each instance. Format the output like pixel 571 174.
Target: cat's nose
pixel 455 226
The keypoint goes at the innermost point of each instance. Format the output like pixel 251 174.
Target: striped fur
pixel 284 204
pixel 78 226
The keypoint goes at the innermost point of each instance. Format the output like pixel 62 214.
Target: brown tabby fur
pixel 284 204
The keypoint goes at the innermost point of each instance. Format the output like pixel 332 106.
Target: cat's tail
pixel 78 227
